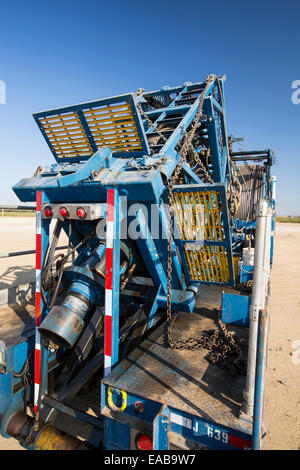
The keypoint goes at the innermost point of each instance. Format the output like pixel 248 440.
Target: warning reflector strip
pixel 37 352
pixel 108 279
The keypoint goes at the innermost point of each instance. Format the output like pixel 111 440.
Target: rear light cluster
pixel 81 213
pixel 48 211
pixel 144 442
pixel 64 212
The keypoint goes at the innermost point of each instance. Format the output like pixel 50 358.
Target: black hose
pixel 25 368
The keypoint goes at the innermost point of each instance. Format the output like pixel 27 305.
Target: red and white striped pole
pixel 38 302
pixel 112 282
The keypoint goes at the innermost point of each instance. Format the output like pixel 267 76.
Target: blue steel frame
pixel 78 185
pixel 11 388
pixel 235 309
pixel 188 112
pixel 78 109
pixel 132 182
pixel 196 429
pixel 45 225
pixel 218 161
pixel 158 420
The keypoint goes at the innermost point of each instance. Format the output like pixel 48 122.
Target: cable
pixel 63 261
pixel 25 368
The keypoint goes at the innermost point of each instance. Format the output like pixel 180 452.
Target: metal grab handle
pixel 93 164
pixel 111 404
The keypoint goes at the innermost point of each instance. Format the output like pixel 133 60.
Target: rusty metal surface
pixel 51 438
pixel 210 296
pixel 184 379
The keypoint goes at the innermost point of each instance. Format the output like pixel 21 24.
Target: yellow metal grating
pixel 66 135
pixel 108 125
pixel 113 126
pixel 198 217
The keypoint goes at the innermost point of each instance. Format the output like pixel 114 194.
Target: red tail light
pixel 64 212
pixel 144 442
pixel 48 211
pixel 81 212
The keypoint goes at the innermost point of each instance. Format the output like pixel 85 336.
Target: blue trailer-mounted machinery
pixel 163 293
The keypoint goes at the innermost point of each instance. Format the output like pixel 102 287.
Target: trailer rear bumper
pixel 176 395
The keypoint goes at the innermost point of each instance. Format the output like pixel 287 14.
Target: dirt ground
pixel 282 409
pixel 282 403
pixel 18 234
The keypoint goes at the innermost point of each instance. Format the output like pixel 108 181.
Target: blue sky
pixel 63 52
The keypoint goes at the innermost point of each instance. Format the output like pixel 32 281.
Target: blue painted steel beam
pixel 148 249
pixel 259 380
pixel 173 140
pixel 161 430
pixel 171 90
pixel 178 280
pixel 87 130
pixel 209 433
pixel 94 164
pixel 191 175
pixel 217 163
pixel 168 111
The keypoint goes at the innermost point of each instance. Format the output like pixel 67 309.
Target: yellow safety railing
pixel 198 215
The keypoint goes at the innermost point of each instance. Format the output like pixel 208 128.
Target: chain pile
pixel 245 287
pixel 225 350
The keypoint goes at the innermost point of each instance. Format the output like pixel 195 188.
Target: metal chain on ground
pixel 225 349
pixel 245 287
